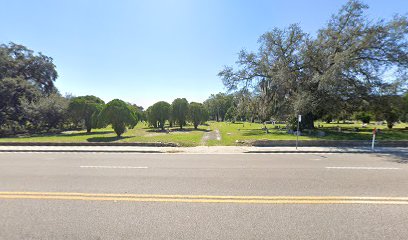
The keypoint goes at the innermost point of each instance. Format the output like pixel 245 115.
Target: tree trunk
pixel 307 121
pixel 88 125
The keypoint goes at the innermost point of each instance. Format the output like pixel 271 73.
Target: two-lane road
pixel 199 196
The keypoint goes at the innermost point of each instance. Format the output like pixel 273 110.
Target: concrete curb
pixel 327 143
pixel 96 144
pixel 256 143
pixel 78 151
pixel 192 151
pixel 157 152
pixel 334 151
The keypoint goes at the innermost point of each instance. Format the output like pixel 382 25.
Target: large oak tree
pixel 350 60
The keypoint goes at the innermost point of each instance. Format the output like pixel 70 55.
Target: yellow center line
pixel 204 198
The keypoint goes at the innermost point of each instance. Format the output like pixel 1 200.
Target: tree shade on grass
pixel 119 114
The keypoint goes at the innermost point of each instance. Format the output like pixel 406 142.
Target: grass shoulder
pixel 231 134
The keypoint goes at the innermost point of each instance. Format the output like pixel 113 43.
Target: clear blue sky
pixel 146 51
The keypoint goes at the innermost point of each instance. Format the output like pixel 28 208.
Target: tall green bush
pixel 86 108
pixel 159 113
pixel 197 114
pixel 119 114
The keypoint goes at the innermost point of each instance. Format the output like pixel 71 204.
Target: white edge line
pixel 124 167
pixel 365 168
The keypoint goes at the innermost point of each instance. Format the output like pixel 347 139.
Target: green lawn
pixel 141 133
pixel 398 132
pixel 230 134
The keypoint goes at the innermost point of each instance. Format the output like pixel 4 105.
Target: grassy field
pixel 141 133
pixel 230 134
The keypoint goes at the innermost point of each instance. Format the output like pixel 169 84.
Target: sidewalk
pixel 200 149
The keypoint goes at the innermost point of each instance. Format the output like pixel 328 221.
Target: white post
pixel 297 132
pixel 372 143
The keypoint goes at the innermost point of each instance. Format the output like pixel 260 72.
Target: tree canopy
pixel 119 114
pixel 218 105
pixel 197 114
pixel 159 113
pixel 49 112
pixel 24 77
pixel 179 110
pixel 86 108
pixel 346 63
pixel 19 61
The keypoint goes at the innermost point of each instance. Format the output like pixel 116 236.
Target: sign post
pixel 297 132
pixel 374 133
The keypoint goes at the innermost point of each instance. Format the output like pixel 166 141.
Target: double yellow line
pixel 203 198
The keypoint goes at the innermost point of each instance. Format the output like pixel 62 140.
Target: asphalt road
pixel 195 196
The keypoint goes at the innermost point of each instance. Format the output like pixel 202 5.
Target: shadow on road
pixel 397 157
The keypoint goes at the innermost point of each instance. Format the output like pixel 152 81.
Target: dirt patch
pixel 213 135
pixel 154 134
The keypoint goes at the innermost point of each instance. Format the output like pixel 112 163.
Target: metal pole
pixel 297 134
